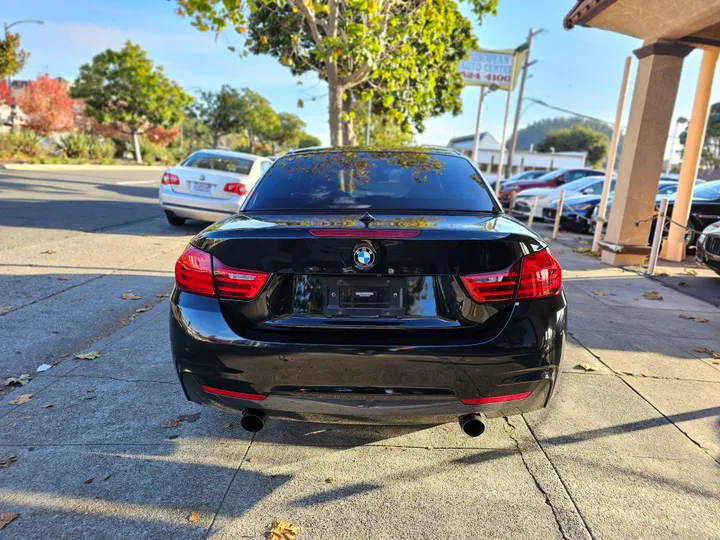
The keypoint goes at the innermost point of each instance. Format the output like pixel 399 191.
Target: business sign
pixel 491 68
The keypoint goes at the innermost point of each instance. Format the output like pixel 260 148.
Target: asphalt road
pixel 71 243
pixel 630 449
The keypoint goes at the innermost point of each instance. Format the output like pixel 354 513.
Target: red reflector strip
pixel 495 399
pixel 229 393
pixel 363 233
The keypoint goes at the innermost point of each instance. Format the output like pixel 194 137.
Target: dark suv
pixel 552 179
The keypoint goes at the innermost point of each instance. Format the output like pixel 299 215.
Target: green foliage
pixel 405 52
pixel 12 57
pixel 155 153
pixel 258 118
pixel 83 145
pixel 535 132
pixel 578 138
pixel 290 129
pixel 385 130
pixel 221 111
pixel 308 141
pixel 19 145
pixel 123 89
pixel 710 157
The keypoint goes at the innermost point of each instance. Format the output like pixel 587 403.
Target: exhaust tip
pixel 472 425
pixel 253 421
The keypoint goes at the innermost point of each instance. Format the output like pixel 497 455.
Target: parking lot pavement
pixel 629 450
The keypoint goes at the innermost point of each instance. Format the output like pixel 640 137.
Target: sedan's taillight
pixel 236 187
pixel 535 276
pixel 200 273
pixel 171 179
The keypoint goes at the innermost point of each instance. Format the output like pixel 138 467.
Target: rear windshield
pixel 217 162
pixel 371 180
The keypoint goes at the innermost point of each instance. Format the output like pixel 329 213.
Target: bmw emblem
pixel 364 256
pixel 202 177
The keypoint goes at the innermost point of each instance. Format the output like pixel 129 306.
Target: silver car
pixel 209 185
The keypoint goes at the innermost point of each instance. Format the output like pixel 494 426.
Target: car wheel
pixel 175 220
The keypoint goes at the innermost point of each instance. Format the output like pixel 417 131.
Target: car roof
pixel 439 150
pixel 221 152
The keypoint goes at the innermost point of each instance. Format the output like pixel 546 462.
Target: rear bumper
pixel 378 384
pixel 195 207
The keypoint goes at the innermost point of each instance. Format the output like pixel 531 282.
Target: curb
pixel 59 167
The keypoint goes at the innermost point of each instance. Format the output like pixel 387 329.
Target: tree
pixel 577 139
pixel 12 57
pixel 352 43
pixel 47 105
pixel 710 156
pixel 534 133
pixel 220 111
pixel 123 89
pixel 385 130
pixel 257 117
pixel 5 94
pixel 290 129
pixel 308 141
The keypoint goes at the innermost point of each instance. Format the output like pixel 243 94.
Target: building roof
pixel 689 21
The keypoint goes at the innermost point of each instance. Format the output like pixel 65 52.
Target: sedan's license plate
pixel 197 187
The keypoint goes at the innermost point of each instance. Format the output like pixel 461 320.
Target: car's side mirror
pixel 561 180
pixel 588 191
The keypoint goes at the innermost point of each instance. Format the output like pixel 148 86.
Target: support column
pixel 641 162
pixel 674 247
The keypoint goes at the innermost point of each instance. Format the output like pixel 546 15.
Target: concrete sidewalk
pixel 631 450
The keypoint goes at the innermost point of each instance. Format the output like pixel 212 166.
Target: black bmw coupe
pixel 376 286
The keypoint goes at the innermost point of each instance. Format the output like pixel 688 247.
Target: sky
pixel 578 70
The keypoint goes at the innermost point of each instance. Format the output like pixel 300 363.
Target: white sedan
pixel 209 185
pixel 584 186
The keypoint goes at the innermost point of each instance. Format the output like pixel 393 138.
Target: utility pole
pixel 531 34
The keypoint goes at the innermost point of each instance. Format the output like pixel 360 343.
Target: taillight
pixel 236 187
pixel 200 273
pixel 493 287
pixel 236 284
pixel 169 178
pixel 541 276
pixel 495 399
pixel 535 276
pixel 193 272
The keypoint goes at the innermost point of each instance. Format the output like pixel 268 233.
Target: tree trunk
pixel 136 146
pixel 216 136
pixel 348 125
pixel 336 109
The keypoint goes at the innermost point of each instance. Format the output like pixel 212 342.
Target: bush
pixel 154 153
pixel 85 146
pixel 23 144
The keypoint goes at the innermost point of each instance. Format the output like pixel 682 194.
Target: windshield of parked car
pixel 219 162
pixel 709 190
pixel 372 180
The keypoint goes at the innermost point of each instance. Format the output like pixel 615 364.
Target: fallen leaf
pixel 143 309
pixel 598 293
pixel 282 530
pixel 652 295
pixel 65 278
pixel 22 380
pixel 48 252
pixel 252 460
pixel 228 425
pixel 22 399
pixel 691 272
pixel 172 437
pixel 700 320
pixel 330 480
pixel 91 389
pixel 129 296
pixel 7 517
pixel 662 274
pixel 175 422
pixel 189 417
pixel 43 367
pixel 583 242
pixel 92 355
pixel 704 350
pixel 88 398
pixel 194 517
pixel 89 480
pixel 163 295
pixel 5 462
pixel 5 309
pixel 64 355
pixel 586 367
pixel 107 477
pixel 684 284
pixel 683 316
pixel 716 356
pixel 48 406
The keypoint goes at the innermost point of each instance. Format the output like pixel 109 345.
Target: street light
pixel 24 21
pixel 580 115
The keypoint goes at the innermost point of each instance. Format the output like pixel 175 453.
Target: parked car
pixel 382 299
pixel 708 247
pixel 523 201
pixel 525 175
pixel 551 179
pixel 209 185
pixel 580 212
